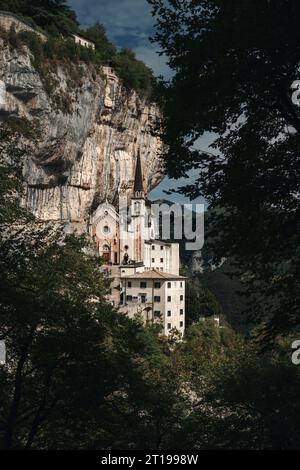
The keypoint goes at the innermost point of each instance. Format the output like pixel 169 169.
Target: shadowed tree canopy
pixel 234 65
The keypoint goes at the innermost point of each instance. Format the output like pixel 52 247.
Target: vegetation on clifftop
pixel 59 22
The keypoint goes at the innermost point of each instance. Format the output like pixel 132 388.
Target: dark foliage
pixel 234 64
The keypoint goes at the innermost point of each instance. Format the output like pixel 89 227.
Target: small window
pixel 169 326
pixel 169 313
pixel 153 260
pixel 181 311
pixel 137 207
pixel 181 284
pixel 157 314
pixel 161 260
pixel 106 230
pixel 129 284
pixel 143 285
pixel 157 285
pixel 156 298
pixel 169 285
pixel 181 324
pixel 181 298
pixel 169 298
pixel 161 247
pixel 129 298
pixel 153 247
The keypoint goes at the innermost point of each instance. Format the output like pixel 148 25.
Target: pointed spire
pixel 138 179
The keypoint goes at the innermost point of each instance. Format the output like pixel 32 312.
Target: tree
pixel 234 64
pixel 105 50
pixel 54 16
pixel 200 302
pixel 134 73
pixel 260 398
pixel 241 398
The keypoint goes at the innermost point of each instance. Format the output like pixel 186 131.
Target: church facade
pixel 144 270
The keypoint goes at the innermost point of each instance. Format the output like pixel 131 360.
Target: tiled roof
pixel 154 274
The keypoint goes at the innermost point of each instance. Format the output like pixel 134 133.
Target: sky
pixel 129 23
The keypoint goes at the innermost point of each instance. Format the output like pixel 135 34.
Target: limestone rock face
pixel 87 152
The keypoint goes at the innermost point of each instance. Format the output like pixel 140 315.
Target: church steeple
pixel 138 180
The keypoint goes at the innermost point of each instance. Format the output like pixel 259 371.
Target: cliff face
pixel 87 152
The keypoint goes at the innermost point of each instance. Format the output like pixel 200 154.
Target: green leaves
pixel 234 63
pixel 59 21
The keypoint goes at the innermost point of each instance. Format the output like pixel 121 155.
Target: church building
pixel 144 270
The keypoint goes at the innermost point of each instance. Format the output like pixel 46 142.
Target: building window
pixel 169 285
pixel 181 324
pixel 181 284
pixel 161 260
pixel 153 260
pixel 169 326
pixel 157 314
pixel 157 298
pixel 157 285
pixel 169 313
pixel 143 285
pixel 169 298
pixel 137 207
pixel 153 247
pixel 161 247
pixel 106 230
pixel 181 311
pixel 129 284
pixel 181 298
pixel 129 298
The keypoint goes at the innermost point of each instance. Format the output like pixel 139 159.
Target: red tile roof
pixel 154 274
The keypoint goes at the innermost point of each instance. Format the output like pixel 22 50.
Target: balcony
pixel 140 300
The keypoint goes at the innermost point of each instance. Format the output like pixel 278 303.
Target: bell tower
pixel 138 211
pixel 138 189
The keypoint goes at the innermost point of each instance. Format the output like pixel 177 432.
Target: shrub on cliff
pixel 134 73
pixel 57 19
pixel 105 50
pixel 53 16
